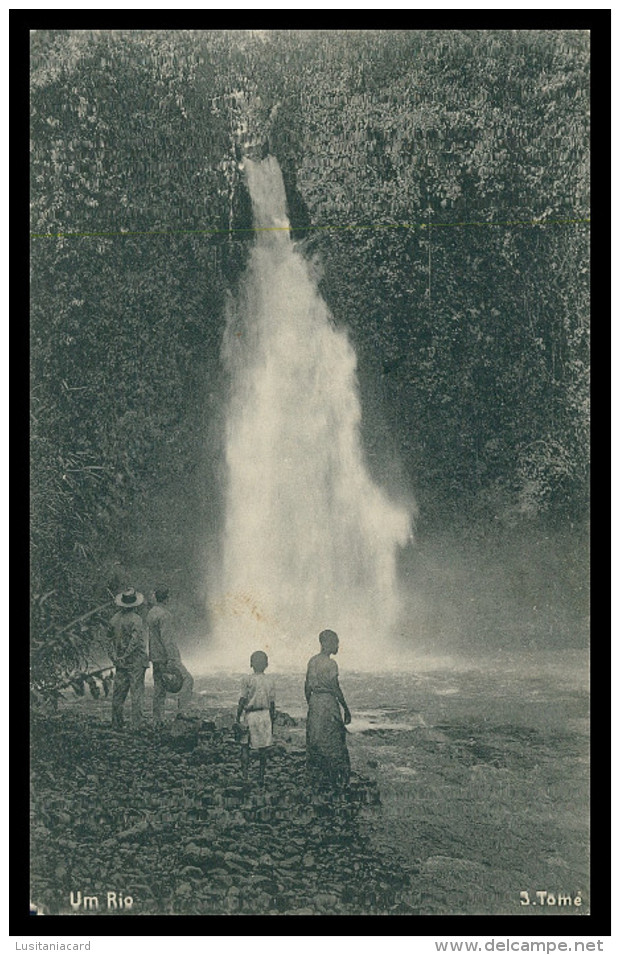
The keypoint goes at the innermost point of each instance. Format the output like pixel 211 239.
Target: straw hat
pixel 129 598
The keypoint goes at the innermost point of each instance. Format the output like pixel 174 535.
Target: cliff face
pixel 439 181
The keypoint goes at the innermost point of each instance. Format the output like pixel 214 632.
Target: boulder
pixel 453 865
pixel 283 719
pixel 192 872
pixel 184 734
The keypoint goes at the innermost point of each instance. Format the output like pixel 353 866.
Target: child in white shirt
pixel 255 714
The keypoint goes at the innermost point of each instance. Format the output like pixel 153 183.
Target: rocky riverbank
pixel 168 822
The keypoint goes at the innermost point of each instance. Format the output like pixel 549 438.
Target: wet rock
pixel 283 719
pixel 558 862
pixel 290 862
pixel 184 888
pixel 260 901
pixel 447 863
pixel 134 832
pixel 234 792
pixel 183 735
pixel 326 901
pixel 192 872
pixel 192 851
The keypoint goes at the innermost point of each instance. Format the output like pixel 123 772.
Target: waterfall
pixel 309 540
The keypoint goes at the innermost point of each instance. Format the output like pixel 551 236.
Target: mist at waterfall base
pixel 310 542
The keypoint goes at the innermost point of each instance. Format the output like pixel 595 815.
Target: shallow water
pixel 530 688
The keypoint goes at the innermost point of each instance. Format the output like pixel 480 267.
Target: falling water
pixel 309 541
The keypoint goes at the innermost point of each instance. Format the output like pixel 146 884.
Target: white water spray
pixel 310 542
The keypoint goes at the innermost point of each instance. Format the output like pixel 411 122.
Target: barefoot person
pixel 127 638
pixel 255 714
pixel 327 757
pixel 164 655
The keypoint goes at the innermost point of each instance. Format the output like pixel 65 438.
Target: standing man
pixel 164 655
pixel 127 638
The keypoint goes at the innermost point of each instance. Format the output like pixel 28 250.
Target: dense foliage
pixel 470 323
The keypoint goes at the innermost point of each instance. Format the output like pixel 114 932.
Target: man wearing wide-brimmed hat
pixel 128 653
